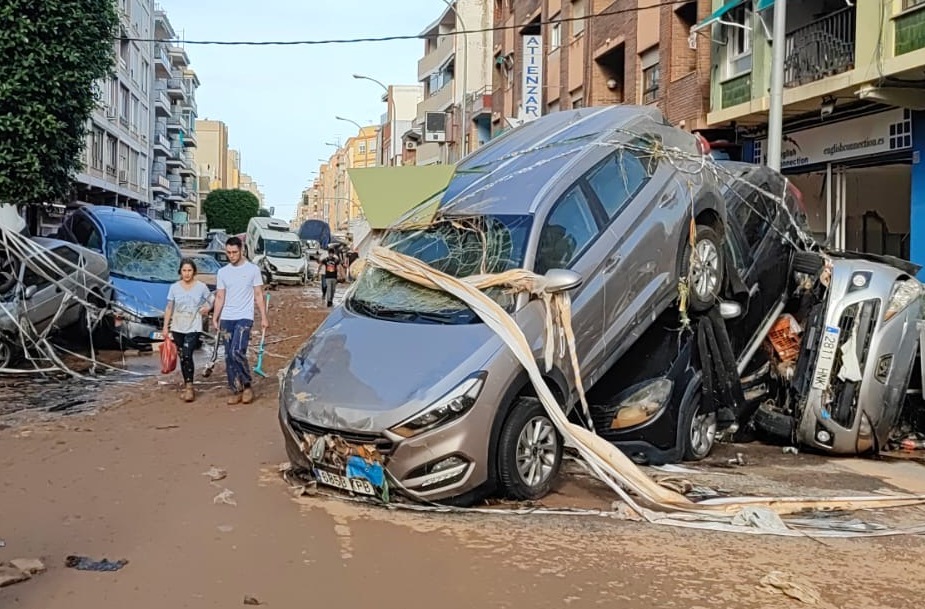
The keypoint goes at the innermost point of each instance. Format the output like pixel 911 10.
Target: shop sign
pixel 869 135
pixel 531 86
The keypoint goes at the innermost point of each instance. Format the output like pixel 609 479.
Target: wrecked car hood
pixel 141 298
pixel 362 374
pixel 287 265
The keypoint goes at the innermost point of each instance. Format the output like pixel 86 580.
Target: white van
pixel 276 250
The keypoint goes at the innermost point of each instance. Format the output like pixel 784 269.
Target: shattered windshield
pixel 143 260
pixel 460 247
pixel 283 249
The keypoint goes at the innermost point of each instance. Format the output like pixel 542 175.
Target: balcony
pixel 175 122
pixel 161 62
pixel 178 56
pixel 161 101
pixel 189 139
pixel 159 183
pixel 176 88
pixel 479 102
pixel 176 157
pixel 820 49
pixel 434 60
pixel 441 101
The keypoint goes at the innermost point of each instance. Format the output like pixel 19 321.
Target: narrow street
pixel 127 482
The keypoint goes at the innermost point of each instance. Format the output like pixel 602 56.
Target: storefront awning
pixel 388 193
pixel 718 14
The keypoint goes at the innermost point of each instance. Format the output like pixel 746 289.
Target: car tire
pixel 529 451
pixel 706 281
pixel 7 354
pixel 777 425
pixel 698 431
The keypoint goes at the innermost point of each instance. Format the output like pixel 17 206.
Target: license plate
pixel 827 348
pixel 157 336
pixel 352 485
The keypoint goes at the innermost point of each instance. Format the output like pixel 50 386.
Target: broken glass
pixel 458 246
pixel 143 261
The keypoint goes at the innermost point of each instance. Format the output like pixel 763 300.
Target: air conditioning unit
pixel 123 179
pixel 411 145
pixel 435 126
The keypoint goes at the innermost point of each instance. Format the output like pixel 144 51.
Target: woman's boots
pixel 188 395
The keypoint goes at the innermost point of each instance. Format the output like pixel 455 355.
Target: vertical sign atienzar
pixel 532 85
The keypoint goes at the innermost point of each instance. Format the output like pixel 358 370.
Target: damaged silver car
pixel 44 292
pixel 589 198
pixel 857 341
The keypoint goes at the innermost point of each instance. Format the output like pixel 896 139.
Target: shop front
pixel 856 175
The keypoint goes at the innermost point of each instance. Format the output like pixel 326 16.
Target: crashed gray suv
pixel 412 379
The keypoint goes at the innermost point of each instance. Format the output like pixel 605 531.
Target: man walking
pixel 328 267
pixel 238 286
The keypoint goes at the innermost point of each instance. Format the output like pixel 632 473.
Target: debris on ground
pixel 85 563
pixel 251 600
pixel 782 582
pixel 790 450
pixel 226 497
pixel 32 566
pixel 215 474
pixel 10 575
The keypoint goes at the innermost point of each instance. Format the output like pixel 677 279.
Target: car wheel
pixel 704 277
pixel 529 451
pixel 776 424
pixel 6 354
pixel 699 432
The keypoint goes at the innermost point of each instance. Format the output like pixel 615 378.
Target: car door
pixel 639 197
pixel 760 253
pixel 41 306
pixel 571 238
pixel 77 283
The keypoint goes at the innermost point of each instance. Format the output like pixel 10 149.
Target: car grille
pixel 862 317
pixel 382 444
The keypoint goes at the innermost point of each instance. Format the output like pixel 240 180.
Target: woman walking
pixel 187 302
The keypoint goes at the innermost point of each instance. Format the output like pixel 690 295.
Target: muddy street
pixel 126 481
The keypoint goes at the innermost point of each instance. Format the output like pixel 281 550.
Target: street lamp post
pixel 362 77
pixel 347 120
pixel 462 108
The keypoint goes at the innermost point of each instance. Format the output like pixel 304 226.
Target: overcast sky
pixel 279 102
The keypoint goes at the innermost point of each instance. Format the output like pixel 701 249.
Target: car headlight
pixel 643 404
pixel 448 408
pixel 272 266
pixel 904 292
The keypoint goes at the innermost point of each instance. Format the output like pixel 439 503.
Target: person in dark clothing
pixel 327 268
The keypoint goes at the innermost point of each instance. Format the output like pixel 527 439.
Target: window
pixel 555 33
pixel 96 149
pixel 738 42
pixel 145 69
pixel 907 4
pixel 578 13
pixel 752 215
pixel 569 229
pixel 617 180
pixel 362 147
pixel 651 75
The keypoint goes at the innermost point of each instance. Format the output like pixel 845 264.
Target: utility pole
pixel 776 111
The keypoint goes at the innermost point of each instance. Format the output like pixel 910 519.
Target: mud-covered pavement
pixel 125 480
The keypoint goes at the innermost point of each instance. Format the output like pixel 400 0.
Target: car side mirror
pixel 30 291
pixel 562 280
pixel 730 310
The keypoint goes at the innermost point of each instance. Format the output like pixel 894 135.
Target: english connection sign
pixel 531 101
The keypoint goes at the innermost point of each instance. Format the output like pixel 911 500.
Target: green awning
pixel 718 14
pixel 388 193
pixel 764 5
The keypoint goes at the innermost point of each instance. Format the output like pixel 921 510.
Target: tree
pixel 230 209
pixel 54 51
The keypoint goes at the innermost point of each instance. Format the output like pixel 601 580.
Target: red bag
pixel 168 356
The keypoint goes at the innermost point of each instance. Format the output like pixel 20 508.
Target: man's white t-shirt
pixel 239 283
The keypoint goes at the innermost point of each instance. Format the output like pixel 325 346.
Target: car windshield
pixel 143 260
pixel 205 264
pixel 459 247
pixel 283 249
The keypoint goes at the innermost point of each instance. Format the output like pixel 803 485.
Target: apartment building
pixel 455 73
pixel 174 175
pixel 250 185
pixel 211 153
pixel 551 55
pixel 852 91
pixel 402 109
pixel 118 152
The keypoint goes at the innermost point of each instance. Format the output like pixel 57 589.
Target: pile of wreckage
pixel 602 248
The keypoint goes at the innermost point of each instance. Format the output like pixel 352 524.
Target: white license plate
pixel 352 485
pixel 157 336
pixel 827 348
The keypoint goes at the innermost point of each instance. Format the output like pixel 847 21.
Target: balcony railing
pixel 821 48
